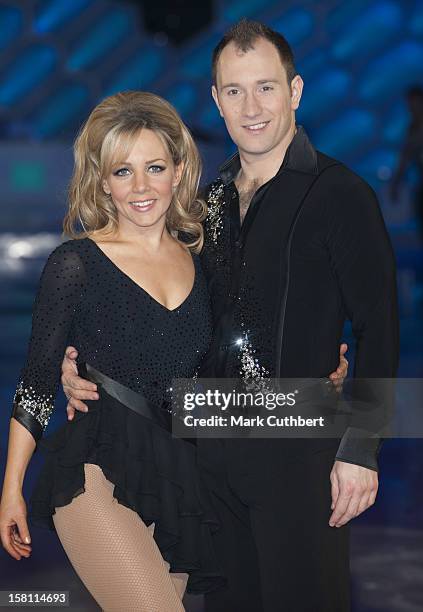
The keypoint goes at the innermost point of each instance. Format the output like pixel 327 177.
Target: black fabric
pixel 135 401
pixel 85 301
pixel 153 474
pixel 276 546
pixel 313 251
pixel 127 336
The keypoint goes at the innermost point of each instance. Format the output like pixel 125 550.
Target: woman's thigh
pixel 113 551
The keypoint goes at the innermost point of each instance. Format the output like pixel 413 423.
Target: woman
pixel 122 494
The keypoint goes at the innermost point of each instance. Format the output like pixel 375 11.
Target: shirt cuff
pixel 360 447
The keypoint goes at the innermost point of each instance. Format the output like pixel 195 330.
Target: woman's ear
pixel 178 174
pixel 106 187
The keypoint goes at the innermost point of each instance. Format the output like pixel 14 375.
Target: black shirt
pixel 312 252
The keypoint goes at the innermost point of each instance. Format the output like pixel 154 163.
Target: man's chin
pixel 255 148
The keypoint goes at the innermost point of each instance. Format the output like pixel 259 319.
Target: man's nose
pixel 252 107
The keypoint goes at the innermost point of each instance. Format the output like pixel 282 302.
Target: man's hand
pixel 75 388
pixel 341 372
pixel 354 489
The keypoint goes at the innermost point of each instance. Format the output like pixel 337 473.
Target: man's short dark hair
pixel 244 34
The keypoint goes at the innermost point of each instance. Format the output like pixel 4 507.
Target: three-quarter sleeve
pixel 363 261
pixel 58 297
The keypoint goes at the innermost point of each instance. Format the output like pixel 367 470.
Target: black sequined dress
pixel 86 301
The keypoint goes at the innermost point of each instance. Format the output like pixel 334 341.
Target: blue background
pixel 58 58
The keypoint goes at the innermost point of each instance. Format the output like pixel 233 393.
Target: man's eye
pixel 267 88
pixel 121 172
pixel 232 92
pixel 156 169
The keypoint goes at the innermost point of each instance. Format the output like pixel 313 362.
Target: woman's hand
pixel 14 532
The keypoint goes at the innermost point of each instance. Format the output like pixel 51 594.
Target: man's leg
pixel 237 554
pixel 233 542
pixel 304 563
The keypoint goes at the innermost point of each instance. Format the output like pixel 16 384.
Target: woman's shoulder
pixel 73 252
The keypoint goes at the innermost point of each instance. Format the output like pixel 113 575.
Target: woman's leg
pixel 113 551
pixel 179 580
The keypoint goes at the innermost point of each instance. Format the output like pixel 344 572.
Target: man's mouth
pixel 256 127
pixel 142 205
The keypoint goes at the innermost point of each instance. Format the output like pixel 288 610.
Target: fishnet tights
pixel 114 553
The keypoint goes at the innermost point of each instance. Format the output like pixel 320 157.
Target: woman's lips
pixel 142 205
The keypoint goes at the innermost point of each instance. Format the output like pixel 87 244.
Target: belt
pixel 137 402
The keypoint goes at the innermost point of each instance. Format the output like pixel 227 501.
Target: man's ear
pixel 297 85
pixel 216 99
pixel 106 187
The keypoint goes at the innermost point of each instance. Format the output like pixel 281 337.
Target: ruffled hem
pixel 153 474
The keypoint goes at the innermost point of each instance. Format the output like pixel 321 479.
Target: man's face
pixel 254 98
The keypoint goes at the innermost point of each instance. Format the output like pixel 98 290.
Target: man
pixel 294 244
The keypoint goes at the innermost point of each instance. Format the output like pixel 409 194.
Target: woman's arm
pixel 58 297
pixel 12 505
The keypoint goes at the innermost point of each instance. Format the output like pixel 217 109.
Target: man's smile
pixel 256 127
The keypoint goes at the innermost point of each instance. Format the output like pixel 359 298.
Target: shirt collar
pixel 300 156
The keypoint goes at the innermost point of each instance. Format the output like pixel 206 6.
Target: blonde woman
pixel 123 496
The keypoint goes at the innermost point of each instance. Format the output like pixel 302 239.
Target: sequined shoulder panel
pixel 215 203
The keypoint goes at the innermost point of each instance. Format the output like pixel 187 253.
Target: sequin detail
pixel 40 406
pixel 253 374
pixel 214 220
pixel 85 300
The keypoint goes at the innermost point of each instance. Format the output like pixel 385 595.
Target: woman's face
pixel 142 185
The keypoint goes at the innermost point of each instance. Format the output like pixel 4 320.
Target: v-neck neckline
pixel 153 299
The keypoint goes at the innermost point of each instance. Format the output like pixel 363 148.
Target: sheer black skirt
pixel 153 473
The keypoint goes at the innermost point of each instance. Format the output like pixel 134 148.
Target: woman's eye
pixel 156 169
pixel 121 172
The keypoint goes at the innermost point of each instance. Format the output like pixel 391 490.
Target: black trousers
pixel 275 544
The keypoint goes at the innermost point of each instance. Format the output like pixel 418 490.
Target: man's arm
pixel 362 259
pixel 78 389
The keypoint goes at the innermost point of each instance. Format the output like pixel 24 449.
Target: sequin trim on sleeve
pixel 39 406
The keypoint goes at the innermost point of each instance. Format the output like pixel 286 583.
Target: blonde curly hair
pixel 114 124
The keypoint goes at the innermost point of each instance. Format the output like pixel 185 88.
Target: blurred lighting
pixel 295 25
pixel 183 97
pixel 386 75
pixel 384 173
pixel 17 252
pixel 11 22
pixel 354 129
pixel 18 80
pixel 137 72
pixel 100 39
pixel 52 14
pixel 61 107
pixel 20 248
pixel 357 38
pixel 236 9
pixel 323 93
